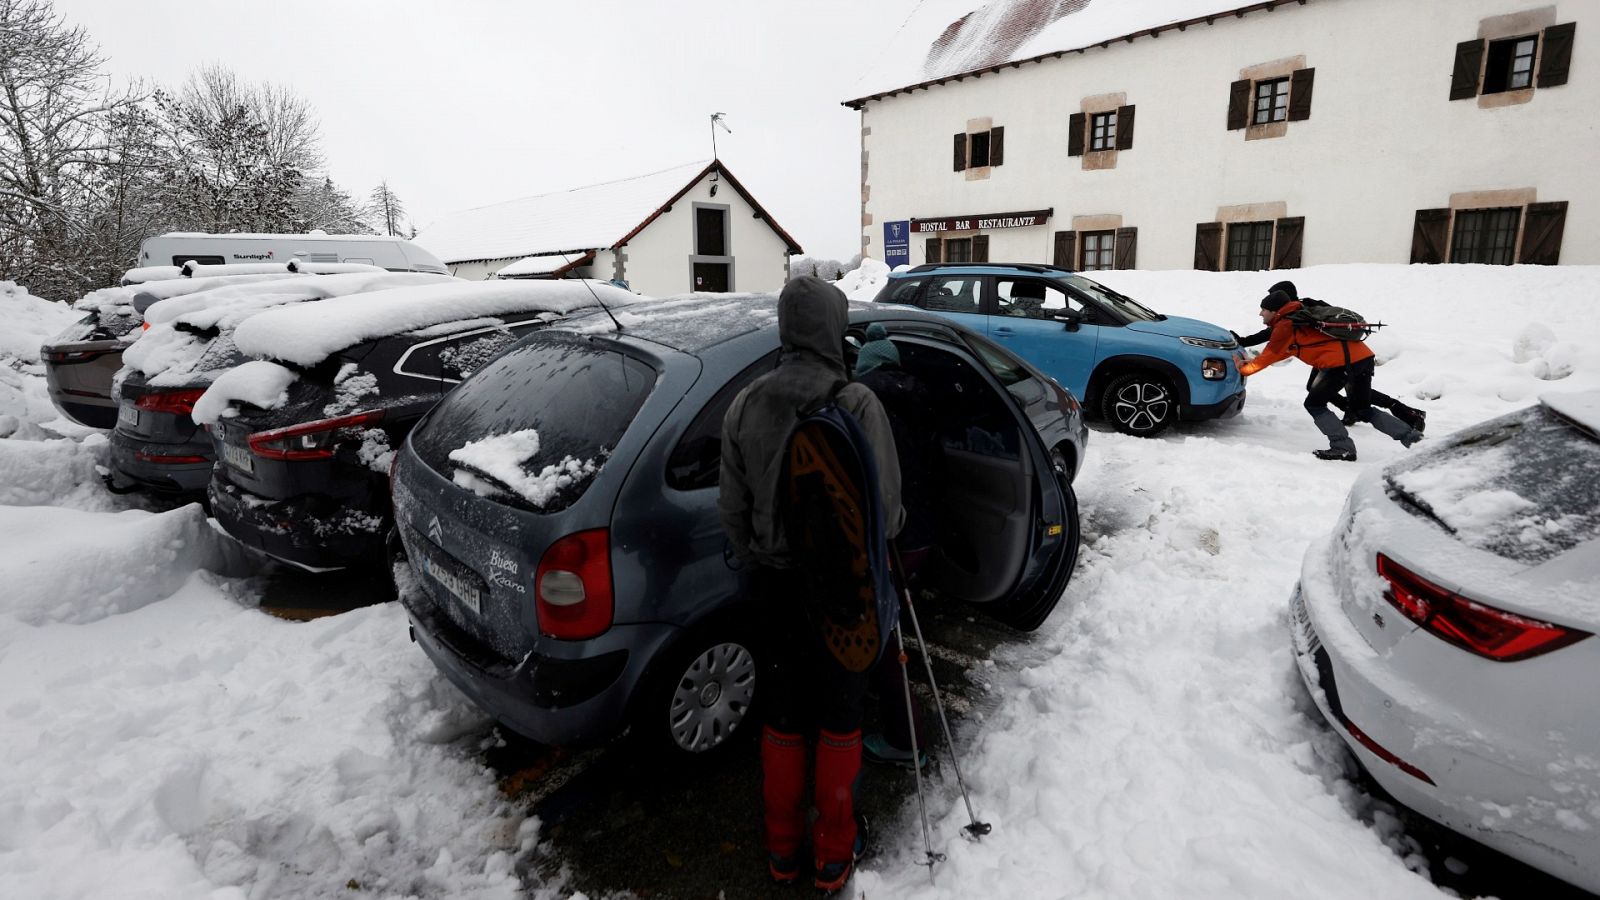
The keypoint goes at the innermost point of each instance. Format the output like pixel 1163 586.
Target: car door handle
pixel 1002 329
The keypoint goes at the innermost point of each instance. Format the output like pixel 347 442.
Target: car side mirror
pixel 1071 318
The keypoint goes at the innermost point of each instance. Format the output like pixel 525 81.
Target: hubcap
pixel 712 697
pixel 1142 406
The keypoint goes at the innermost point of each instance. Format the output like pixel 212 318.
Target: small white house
pixel 690 228
pixel 1270 133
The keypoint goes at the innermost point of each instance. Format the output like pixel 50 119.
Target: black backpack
pixel 1333 321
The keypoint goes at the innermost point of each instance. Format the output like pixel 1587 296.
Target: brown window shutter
pixel 980 248
pixel 1469 62
pixel 1066 249
pixel 1557 55
pixel 1286 245
pixel 961 151
pixel 1075 134
pixel 931 255
pixel 1239 104
pixel 1125 128
pixel 1300 94
pixel 1127 240
pixel 1429 237
pixel 997 146
pixel 1541 233
pixel 1208 246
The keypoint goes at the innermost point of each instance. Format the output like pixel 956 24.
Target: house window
pixel 958 250
pixel 1486 236
pixel 1510 65
pixel 1272 101
pixel 1249 246
pixel 1103 132
pixel 1098 250
pixel 980 149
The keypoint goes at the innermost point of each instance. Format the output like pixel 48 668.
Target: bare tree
pixel 387 209
pixel 53 107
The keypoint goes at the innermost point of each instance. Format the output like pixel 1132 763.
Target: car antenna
pixel 602 303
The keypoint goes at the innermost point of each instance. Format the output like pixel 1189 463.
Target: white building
pixel 691 228
pixel 1269 134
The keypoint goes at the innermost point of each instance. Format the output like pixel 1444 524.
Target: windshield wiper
pixel 1418 505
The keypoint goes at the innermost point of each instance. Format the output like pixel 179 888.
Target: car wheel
pixel 704 696
pixel 1142 404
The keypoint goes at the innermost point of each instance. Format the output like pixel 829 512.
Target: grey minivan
pixel 568 570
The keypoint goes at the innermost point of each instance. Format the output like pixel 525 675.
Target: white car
pixel 1446 631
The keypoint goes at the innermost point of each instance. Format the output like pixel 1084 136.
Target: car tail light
pixel 178 403
pixel 161 460
pixel 312 440
pixel 1475 627
pixel 73 355
pixel 572 586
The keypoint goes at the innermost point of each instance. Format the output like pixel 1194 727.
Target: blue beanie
pixel 876 351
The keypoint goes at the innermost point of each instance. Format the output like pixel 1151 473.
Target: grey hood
pixel 812 317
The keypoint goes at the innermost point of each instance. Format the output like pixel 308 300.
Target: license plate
pixel 459 587
pixel 240 458
pixel 128 415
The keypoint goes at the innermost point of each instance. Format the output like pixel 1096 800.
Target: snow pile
pixel 258 383
pixel 28 323
pixel 498 462
pixel 866 280
pixel 306 336
pixel 173 354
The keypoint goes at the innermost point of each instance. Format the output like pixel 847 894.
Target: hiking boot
pixel 1416 418
pixel 1348 420
pixel 783 869
pixel 877 749
pixel 831 877
pixel 1330 453
pixel 1411 438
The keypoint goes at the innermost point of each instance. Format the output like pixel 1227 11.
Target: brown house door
pixel 711 277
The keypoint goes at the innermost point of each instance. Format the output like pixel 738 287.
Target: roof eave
pixel 714 165
pixel 1237 12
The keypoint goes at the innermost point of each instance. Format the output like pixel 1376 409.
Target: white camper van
pixel 392 253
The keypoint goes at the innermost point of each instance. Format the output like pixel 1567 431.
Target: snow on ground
pixel 160 737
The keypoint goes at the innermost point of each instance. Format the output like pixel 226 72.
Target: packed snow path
pixel 160 737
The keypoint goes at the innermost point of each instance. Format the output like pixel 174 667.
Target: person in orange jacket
pixel 1340 366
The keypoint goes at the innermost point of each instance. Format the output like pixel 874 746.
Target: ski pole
pixel 930 857
pixel 974 827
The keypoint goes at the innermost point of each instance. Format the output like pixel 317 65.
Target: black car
pixel 156 444
pixel 307 481
pixel 568 570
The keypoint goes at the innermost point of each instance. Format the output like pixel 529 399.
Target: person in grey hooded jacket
pixel 803 686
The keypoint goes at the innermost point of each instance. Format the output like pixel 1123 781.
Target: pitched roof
pixel 596 217
pixel 947 40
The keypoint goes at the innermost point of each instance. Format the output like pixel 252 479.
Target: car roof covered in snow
pixel 942 39
pixel 306 335
pixel 1582 408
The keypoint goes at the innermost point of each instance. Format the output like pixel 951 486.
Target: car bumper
pixel 312 532
pixel 1226 408
pixel 165 468
pixel 93 412
pixel 581 697
pixel 1430 756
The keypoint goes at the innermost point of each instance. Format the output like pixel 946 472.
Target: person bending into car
pixel 804 687
pixel 1339 366
pixel 1410 415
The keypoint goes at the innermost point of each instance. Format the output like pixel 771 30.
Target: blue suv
pixel 1139 370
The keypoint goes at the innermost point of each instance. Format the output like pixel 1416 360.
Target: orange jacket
pixel 1314 348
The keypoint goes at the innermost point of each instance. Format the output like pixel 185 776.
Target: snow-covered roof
pixel 597 217
pixel 542 265
pixel 945 38
pixel 313 236
pixel 307 334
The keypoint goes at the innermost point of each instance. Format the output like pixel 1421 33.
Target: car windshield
pixel 1120 303
pixel 1525 486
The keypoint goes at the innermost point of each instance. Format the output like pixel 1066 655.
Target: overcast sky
pixel 478 101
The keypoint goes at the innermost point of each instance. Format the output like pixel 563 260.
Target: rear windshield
pixel 1523 486
pixel 534 427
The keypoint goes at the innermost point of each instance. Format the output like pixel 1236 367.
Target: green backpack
pixel 1333 321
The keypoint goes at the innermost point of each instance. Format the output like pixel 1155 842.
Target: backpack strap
pixel 831 396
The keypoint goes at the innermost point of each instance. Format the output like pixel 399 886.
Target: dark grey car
pixel 591 585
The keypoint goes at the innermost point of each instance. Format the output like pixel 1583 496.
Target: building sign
pixel 897 243
pixel 982 222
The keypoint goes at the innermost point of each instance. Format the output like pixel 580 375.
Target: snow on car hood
pixel 307 335
pixel 1179 326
